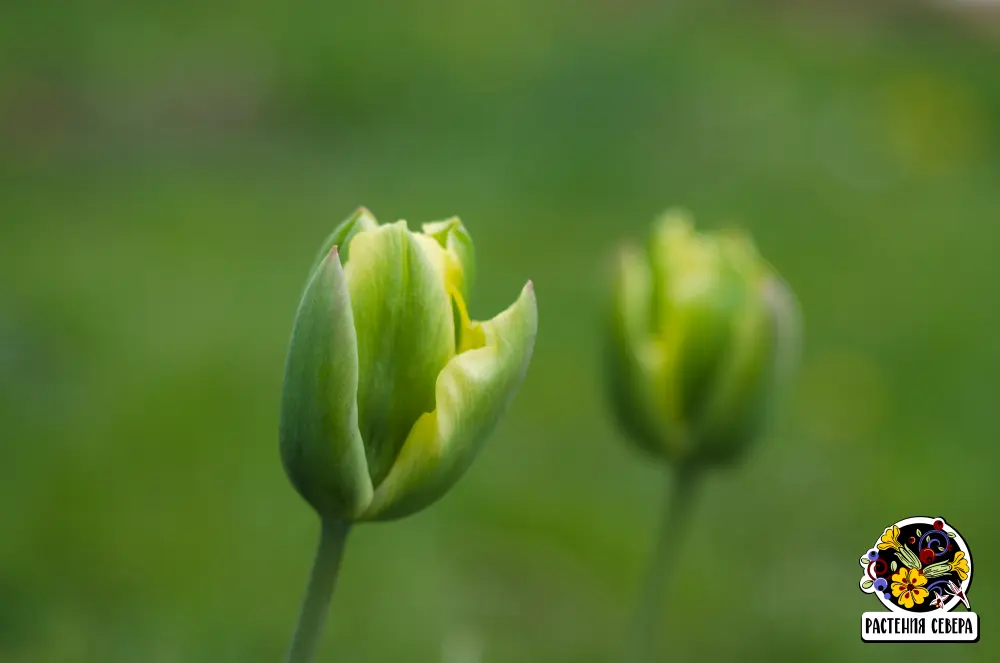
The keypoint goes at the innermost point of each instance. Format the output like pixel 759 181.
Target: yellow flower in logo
pixel 890 539
pixel 960 565
pixel 908 587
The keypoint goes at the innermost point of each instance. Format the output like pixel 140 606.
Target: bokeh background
pixel 168 170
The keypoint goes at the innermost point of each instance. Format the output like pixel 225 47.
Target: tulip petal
pixel 737 408
pixel 695 342
pixel 405 330
pixel 673 249
pixel 454 238
pixel 787 315
pixel 321 446
pixel 472 393
pixel 632 361
pixel 342 235
pixel 698 291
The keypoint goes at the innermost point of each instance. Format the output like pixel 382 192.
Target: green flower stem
pixel 676 514
pixel 322 581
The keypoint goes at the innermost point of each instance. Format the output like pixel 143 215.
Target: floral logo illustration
pixel 919 565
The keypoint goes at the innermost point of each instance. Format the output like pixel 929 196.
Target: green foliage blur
pixel 167 172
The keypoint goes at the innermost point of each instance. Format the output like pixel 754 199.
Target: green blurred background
pixel 167 172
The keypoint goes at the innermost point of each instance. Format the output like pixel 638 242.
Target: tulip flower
pixel 701 334
pixel 390 389
pixel 702 330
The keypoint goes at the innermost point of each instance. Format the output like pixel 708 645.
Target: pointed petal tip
pixel 676 219
pixel 362 212
pixel 528 293
pixel 527 301
pixel 442 226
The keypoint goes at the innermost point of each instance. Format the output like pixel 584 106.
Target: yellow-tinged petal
pixel 405 334
pixel 901 575
pixel 435 244
pixel 435 255
pixel 459 252
pixel 917 578
pixel 468 335
pixel 472 393
pixel 675 250
pixel 919 594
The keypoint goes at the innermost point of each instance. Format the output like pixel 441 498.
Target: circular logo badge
pixel 918 565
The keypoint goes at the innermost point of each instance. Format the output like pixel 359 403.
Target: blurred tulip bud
pixel 702 334
pixel 390 388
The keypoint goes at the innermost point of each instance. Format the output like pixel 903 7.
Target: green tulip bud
pixel 702 332
pixel 390 389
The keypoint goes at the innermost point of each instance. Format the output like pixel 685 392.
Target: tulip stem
pixel 657 582
pixel 319 592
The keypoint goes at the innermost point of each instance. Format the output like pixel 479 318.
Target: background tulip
pixel 702 334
